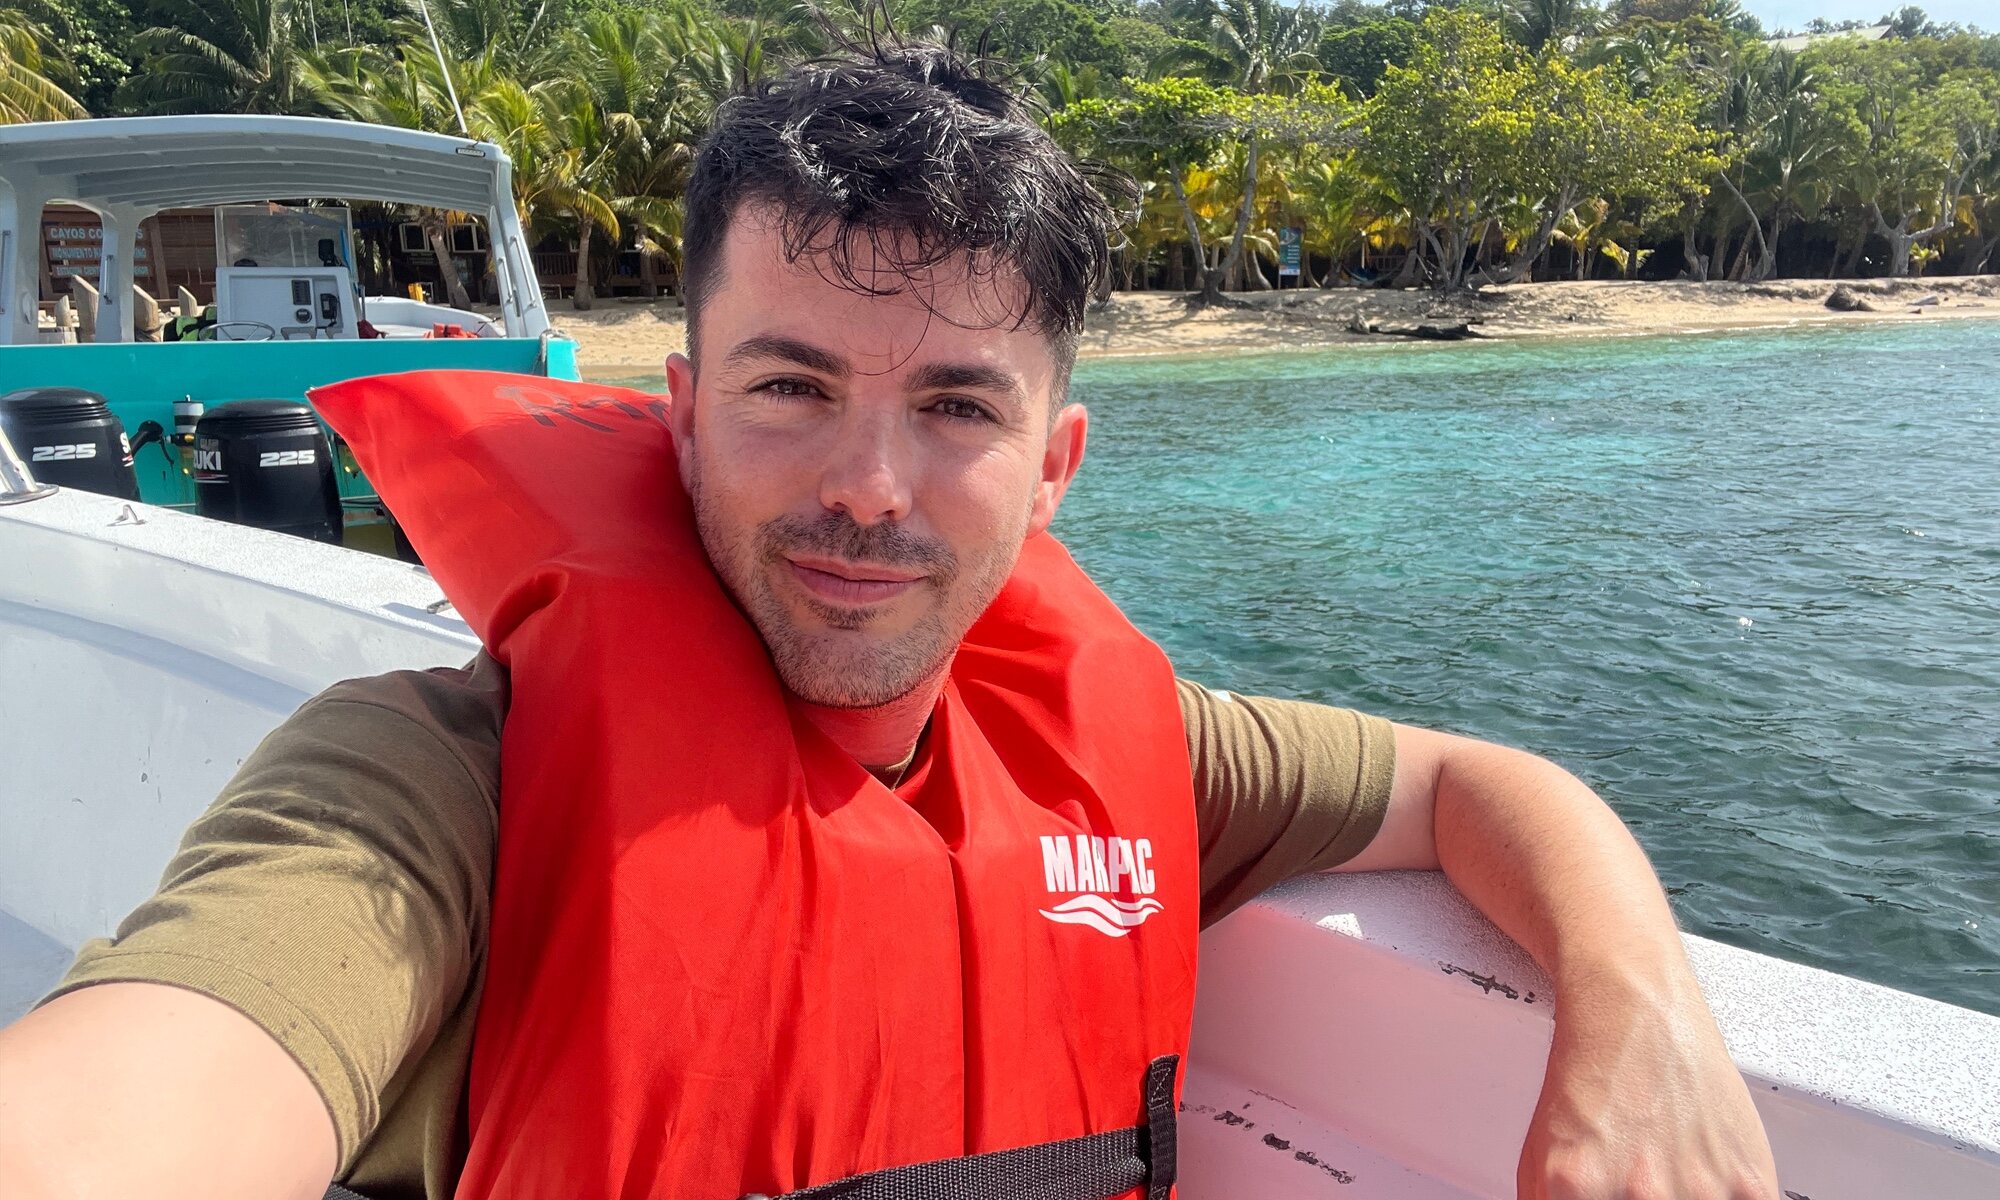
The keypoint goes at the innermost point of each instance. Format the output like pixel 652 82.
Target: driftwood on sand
pixel 1456 331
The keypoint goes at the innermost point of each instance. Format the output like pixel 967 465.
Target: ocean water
pixel 1746 585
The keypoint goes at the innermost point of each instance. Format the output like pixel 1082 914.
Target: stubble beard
pixel 840 665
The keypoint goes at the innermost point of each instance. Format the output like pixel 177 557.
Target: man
pixel 887 263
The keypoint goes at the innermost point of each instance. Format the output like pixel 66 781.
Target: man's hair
pixel 907 157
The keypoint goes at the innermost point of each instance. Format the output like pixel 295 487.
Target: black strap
pixel 1093 1167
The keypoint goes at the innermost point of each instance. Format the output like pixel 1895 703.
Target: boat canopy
pixel 125 169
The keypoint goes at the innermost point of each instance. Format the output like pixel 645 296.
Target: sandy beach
pixel 623 339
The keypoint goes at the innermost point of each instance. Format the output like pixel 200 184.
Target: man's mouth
pixel 837 581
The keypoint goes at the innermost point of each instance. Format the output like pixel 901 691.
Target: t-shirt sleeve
pixel 336 891
pixel 1282 788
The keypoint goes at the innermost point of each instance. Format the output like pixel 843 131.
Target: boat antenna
pixel 450 88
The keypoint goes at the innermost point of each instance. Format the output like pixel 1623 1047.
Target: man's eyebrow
pixel 948 376
pixel 791 350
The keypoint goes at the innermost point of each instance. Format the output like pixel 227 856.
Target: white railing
pixel 17 483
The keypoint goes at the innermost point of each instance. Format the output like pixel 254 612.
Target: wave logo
pixel 1112 918
pixel 1091 866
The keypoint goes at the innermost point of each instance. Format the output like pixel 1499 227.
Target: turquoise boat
pixel 288 312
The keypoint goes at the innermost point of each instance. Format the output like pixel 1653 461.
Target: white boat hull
pixel 1355 1036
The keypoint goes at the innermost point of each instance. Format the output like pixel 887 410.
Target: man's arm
pixel 111 1082
pixel 1641 1098
pixel 241 1036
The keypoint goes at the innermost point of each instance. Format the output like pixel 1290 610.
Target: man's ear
pixel 680 413
pixel 1059 463
pixel 680 387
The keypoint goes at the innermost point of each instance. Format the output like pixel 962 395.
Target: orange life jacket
pixel 726 959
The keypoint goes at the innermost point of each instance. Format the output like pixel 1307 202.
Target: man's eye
pixel 958 406
pixel 787 387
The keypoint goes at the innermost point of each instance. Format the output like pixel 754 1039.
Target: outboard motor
pixel 266 463
pixel 68 437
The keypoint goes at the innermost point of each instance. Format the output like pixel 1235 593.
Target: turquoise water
pixel 1745 585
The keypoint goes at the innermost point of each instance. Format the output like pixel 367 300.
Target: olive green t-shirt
pixel 337 891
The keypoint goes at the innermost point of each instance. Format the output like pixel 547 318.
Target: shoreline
pixel 629 338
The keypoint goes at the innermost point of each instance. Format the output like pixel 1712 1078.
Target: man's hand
pixel 1642 1102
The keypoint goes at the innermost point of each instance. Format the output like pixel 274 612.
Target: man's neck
pixel 882 736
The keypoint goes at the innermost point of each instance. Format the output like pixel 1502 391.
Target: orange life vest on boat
pixel 726 959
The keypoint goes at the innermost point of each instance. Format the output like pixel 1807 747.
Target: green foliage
pixel 31 75
pixel 1447 130
pixel 250 56
pixel 1062 30
pixel 1540 23
pixel 1476 135
pixel 1356 55
pixel 85 39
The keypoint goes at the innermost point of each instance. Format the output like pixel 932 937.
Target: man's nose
pixel 868 469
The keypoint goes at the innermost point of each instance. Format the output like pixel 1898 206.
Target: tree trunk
pixel 1531 251
pixel 1975 258
pixel 583 297
pixel 649 283
pixel 454 287
pixel 1695 265
pixel 1741 267
pixel 1898 237
pixel 1902 239
pixel 1852 267
pixel 1232 265
pixel 1754 233
pixel 1767 261
pixel 1450 251
pixel 1211 280
pixel 1413 262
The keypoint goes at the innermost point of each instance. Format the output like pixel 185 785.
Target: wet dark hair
pixel 906 157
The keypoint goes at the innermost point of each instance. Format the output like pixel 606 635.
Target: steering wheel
pixel 270 333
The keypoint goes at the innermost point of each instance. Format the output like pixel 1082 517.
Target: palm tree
pixel 1062 85
pixel 489 47
pixel 1784 138
pixel 719 57
pixel 1335 201
pixel 1796 139
pixel 405 89
pixel 1259 47
pixel 487 38
pixel 28 87
pixel 639 94
pixel 244 56
pixel 1539 22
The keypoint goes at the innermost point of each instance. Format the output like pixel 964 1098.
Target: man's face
pixel 865 468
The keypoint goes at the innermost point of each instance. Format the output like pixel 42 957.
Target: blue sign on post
pixel 1289 240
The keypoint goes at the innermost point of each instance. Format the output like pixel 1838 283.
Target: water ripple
pixel 1745 585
